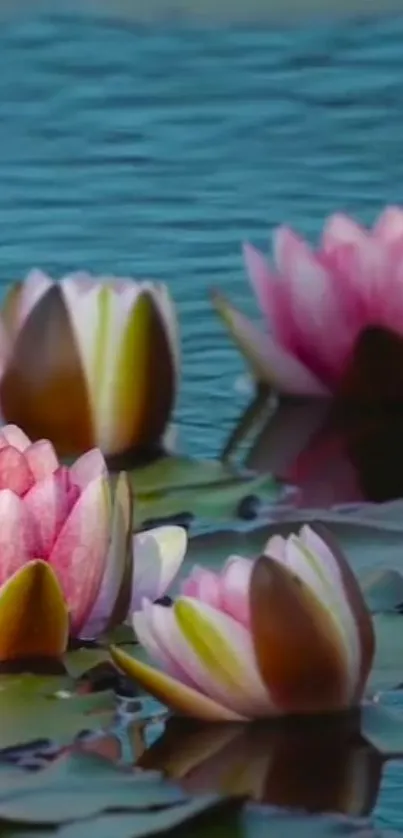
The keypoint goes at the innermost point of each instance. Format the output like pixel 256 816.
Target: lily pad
pixel 79 786
pixel 207 489
pixel 383 728
pixel 34 708
pixel 261 822
pixel 387 671
pixel 139 825
pixel 80 661
pixel 238 499
pixel 170 473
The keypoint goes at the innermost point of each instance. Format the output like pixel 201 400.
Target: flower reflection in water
pixel 329 454
pixel 317 765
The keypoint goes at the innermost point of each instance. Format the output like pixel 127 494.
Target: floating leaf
pixel 80 785
pixel 170 473
pixel 208 489
pixel 260 822
pixel 80 661
pixel 367 548
pixel 383 589
pixel 45 708
pixel 139 825
pixel 383 728
pixel 387 670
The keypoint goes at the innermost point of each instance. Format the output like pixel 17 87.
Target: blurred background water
pixel 156 150
pixel 153 151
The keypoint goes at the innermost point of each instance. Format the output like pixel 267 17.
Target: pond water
pixel 156 151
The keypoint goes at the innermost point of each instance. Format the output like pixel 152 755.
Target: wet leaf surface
pixel 152 823
pixel 33 707
pixel 78 786
pixel 184 489
pixel 87 795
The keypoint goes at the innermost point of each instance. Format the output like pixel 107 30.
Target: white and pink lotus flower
pixel 80 359
pixel 69 564
pixel 288 633
pixel 317 303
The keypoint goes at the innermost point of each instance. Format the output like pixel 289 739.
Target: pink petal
pixel 88 467
pixel 341 230
pixel 13 435
pixel 79 554
pixel 316 306
pixel 16 537
pixel 190 585
pixel 235 579
pixel 269 362
pixel 41 458
pixel 49 506
pixel 203 584
pixel 15 473
pixel 67 486
pixel 261 279
pixel 389 227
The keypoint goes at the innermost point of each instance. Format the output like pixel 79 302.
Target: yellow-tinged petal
pixel 10 307
pixel 34 620
pixel 176 696
pixel 219 655
pixel 43 389
pixel 125 351
pixel 144 386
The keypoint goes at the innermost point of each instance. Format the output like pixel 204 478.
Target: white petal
pixel 89 466
pixel 13 435
pixel 158 556
pixel 99 318
pixel 144 622
pixel 116 562
pixel 276 548
pixel 216 653
pixel 35 286
pixel 307 563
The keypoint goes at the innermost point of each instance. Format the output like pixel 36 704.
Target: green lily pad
pixel 260 823
pixel 46 708
pixel 383 589
pixel 383 728
pixel 205 489
pixel 80 661
pixel 79 786
pixel 139 825
pixel 387 670
pixel 208 502
pixel 170 473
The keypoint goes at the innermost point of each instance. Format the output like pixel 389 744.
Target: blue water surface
pixel 155 151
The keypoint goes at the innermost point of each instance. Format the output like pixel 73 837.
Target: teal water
pixel 155 151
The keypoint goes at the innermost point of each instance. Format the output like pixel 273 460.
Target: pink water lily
pixel 66 549
pixel 286 634
pixel 65 546
pixel 317 303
